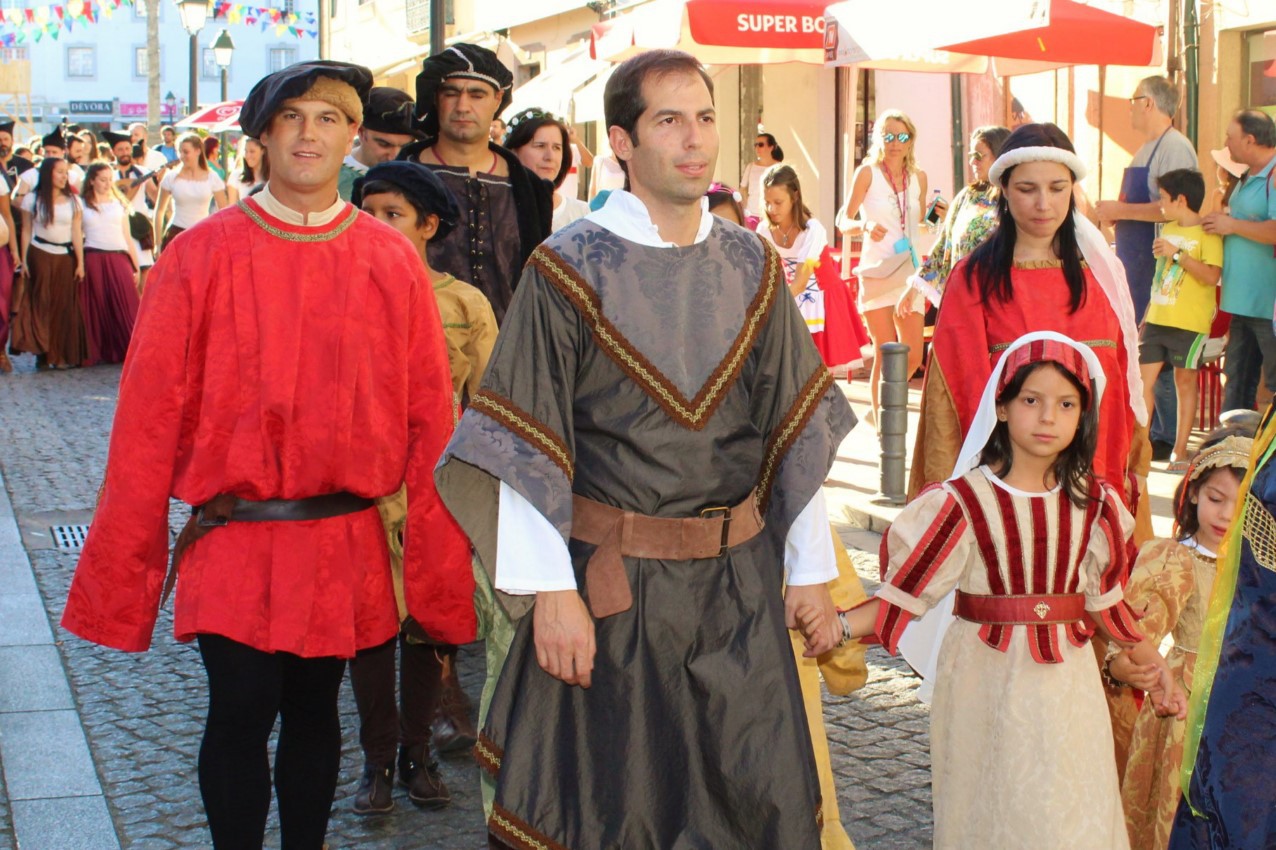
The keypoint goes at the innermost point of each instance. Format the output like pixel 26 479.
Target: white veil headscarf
pixel 922 638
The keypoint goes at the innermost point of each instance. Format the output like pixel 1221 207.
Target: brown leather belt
pixel 619 533
pixel 1020 610
pixel 225 508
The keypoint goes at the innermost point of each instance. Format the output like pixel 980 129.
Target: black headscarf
pixel 420 185
pixel 270 92
pixel 112 138
pixel 463 61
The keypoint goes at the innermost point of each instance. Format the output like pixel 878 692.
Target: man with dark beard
pixel 10 166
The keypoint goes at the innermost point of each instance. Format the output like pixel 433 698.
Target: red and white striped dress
pixel 1021 743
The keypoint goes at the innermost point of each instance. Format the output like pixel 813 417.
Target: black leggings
pixel 247 690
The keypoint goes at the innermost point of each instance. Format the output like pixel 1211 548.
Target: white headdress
pixel 922 638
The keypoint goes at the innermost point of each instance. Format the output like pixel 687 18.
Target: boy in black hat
pixel 10 166
pixel 413 200
pixel 387 127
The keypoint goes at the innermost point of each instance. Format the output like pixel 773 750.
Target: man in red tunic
pixel 287 368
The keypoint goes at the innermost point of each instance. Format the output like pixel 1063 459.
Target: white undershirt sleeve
pixel 808 550
pixel 530 553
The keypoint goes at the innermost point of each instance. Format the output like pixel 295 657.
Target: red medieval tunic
pixel 957 373
pixel 1021 748
pixel 273 361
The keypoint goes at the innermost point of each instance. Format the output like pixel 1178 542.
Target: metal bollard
pixel 892 427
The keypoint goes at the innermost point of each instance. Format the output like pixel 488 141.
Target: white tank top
pixel 882 206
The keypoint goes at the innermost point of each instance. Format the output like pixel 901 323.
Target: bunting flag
pixel 35 22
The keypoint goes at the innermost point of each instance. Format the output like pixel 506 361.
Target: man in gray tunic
pixel 642 470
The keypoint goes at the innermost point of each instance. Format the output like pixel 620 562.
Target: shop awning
pixel 718 32
pixel 1075 35
pixel 555 90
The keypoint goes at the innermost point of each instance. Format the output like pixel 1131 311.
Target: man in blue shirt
pixel 1249 260
pixel 168 148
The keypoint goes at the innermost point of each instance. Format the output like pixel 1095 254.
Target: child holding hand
pixel 1034 547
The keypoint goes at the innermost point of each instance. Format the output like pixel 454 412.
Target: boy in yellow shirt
pixel 1184 298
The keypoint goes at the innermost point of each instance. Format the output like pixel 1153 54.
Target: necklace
pixel 786 238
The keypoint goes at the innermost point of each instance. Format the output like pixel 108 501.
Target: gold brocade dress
pixel 1170 589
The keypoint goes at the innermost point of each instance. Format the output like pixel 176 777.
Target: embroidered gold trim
pixel 1029 265
pixel 792 424
pixel 325 236
pixel 526 426
pixel 1092 343
pixel 516 833
pixel 487 754
pixel 690 413
pixel 1259 528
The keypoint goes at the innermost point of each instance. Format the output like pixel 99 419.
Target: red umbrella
pixel 1077 35
pixel 213 119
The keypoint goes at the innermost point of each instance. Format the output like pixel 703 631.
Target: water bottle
pixel 932 212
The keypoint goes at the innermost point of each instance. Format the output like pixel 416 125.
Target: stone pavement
pixel 142 714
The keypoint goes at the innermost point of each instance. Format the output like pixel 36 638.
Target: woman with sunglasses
pixel 972 216
pixel 767 153
pixel 885 210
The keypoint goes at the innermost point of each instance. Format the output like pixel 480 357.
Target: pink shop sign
pixel 138 110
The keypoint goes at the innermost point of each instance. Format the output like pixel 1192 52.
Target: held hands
pixel 1167 697
pixel 563 632
pixel 1142 676
pixel 810 610
pixel 1163 248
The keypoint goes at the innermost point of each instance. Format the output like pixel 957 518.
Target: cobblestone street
pixel 143 714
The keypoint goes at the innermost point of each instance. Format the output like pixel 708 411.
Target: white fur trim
pixel 1043 153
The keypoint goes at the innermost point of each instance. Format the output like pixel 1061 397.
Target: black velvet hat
pixel 420 185
pixel 460 61
pixel 389 111
pixel 271 91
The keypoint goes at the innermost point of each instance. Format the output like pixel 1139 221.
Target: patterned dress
pixel 971 220
pixel 1021 747
pixel 1169 590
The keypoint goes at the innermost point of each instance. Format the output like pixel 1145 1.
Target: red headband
pixel 1047 350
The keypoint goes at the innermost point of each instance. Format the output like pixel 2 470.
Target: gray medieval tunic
pixel 662 381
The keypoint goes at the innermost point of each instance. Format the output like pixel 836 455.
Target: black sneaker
pixel 420 775
pixel 1161 450
pixel 376 788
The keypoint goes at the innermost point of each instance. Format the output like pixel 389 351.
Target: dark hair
pixel 210 145
pixel 44 200
pixel 1186 523
pixel 993 136
pixel 1257 124
pixel 246 174
pixel 623 103
pixel 777 153
pixel 722 196
pixel 385 187
pixel 1184 183
pixel 784 177
pixel 1072 468
pixel 523 128
pixel 991 262
pixel 86 191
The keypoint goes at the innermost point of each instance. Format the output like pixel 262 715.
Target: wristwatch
pixel 1175 258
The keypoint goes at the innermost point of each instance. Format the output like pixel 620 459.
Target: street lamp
pixel 170 100
pixel 194 15
pixel 223 49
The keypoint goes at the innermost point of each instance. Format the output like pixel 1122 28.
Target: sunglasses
pixel 760 144
pixel 902 138
pixel 976 156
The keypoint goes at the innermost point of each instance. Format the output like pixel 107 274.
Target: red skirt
pixel 844 334
pixel 6 295
pixel 49 321
pixel 109 301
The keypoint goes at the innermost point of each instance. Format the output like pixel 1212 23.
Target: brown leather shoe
pixel 5 365
pixel 420 775
pixel 454 731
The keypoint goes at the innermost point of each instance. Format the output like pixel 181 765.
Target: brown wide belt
pixel 225 508
pixel 618 534
pixel 1020 610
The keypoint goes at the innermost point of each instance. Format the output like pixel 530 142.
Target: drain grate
pixel 69 537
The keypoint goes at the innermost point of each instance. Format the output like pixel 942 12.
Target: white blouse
pixel 58 231
pixel 104 227
pixel 191 198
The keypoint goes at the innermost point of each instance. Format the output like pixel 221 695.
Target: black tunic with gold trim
pixel 661 381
